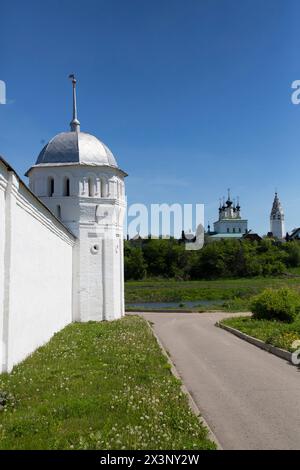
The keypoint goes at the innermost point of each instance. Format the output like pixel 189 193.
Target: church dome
pixel 76 148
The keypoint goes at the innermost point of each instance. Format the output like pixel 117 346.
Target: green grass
pixel 236 293
pixel 98 386
pixel 294 271
pixel 274 332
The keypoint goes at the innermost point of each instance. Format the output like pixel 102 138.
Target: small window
pixel 91 187
pixel 227 230
pixel 103 188
pixel 66 191
pixel 50 187
pixel 240 230
pixel 58 212
pixel 233 230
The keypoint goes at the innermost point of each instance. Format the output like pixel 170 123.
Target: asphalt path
pixel 249 397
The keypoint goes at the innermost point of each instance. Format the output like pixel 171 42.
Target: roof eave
pixel 50 165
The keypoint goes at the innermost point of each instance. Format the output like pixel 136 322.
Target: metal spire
pixel 74 124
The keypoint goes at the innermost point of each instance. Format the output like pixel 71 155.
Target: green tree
pixel 135 266
pixel 293 253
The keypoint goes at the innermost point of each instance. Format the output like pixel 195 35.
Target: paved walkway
pixel 250 398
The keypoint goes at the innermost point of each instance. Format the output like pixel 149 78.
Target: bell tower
pixel 277 227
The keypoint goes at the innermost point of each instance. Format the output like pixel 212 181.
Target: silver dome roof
pixel 75 147
pixel 78 148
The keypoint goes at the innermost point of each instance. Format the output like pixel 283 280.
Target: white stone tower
pixel 78 178
pixel 277 219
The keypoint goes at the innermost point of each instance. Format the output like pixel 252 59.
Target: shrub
pixel 281 304
pixel 293 253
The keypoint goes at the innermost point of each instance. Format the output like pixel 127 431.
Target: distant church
pixel 61 241
pixel 277 227
pixel 230 223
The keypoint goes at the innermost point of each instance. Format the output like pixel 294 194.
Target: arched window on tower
pixel 103 188
pixel 66 189
pixel 91 187
pixel 50 188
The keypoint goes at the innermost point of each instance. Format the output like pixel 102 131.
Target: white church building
pixel 230 223
pixel 61 241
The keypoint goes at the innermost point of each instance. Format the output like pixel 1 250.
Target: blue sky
pixel 192 96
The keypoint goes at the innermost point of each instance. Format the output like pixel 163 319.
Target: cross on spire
pixel 74 124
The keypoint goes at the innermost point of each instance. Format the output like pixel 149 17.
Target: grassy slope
pixel 98 386
pixel 235 292
pixel 276 333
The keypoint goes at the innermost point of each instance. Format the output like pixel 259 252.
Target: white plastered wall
pixel 3 185
pixel 35 271
pixel 277 228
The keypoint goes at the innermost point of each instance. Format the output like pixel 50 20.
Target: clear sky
pixel 192 96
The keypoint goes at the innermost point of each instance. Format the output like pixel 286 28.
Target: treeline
pixel 226 258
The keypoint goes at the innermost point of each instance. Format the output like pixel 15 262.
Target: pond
pixel 161 305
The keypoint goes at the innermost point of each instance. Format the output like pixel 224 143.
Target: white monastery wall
pixel 35 271
pixel 3 184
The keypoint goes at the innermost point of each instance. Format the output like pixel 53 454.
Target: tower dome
pixel 76 148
